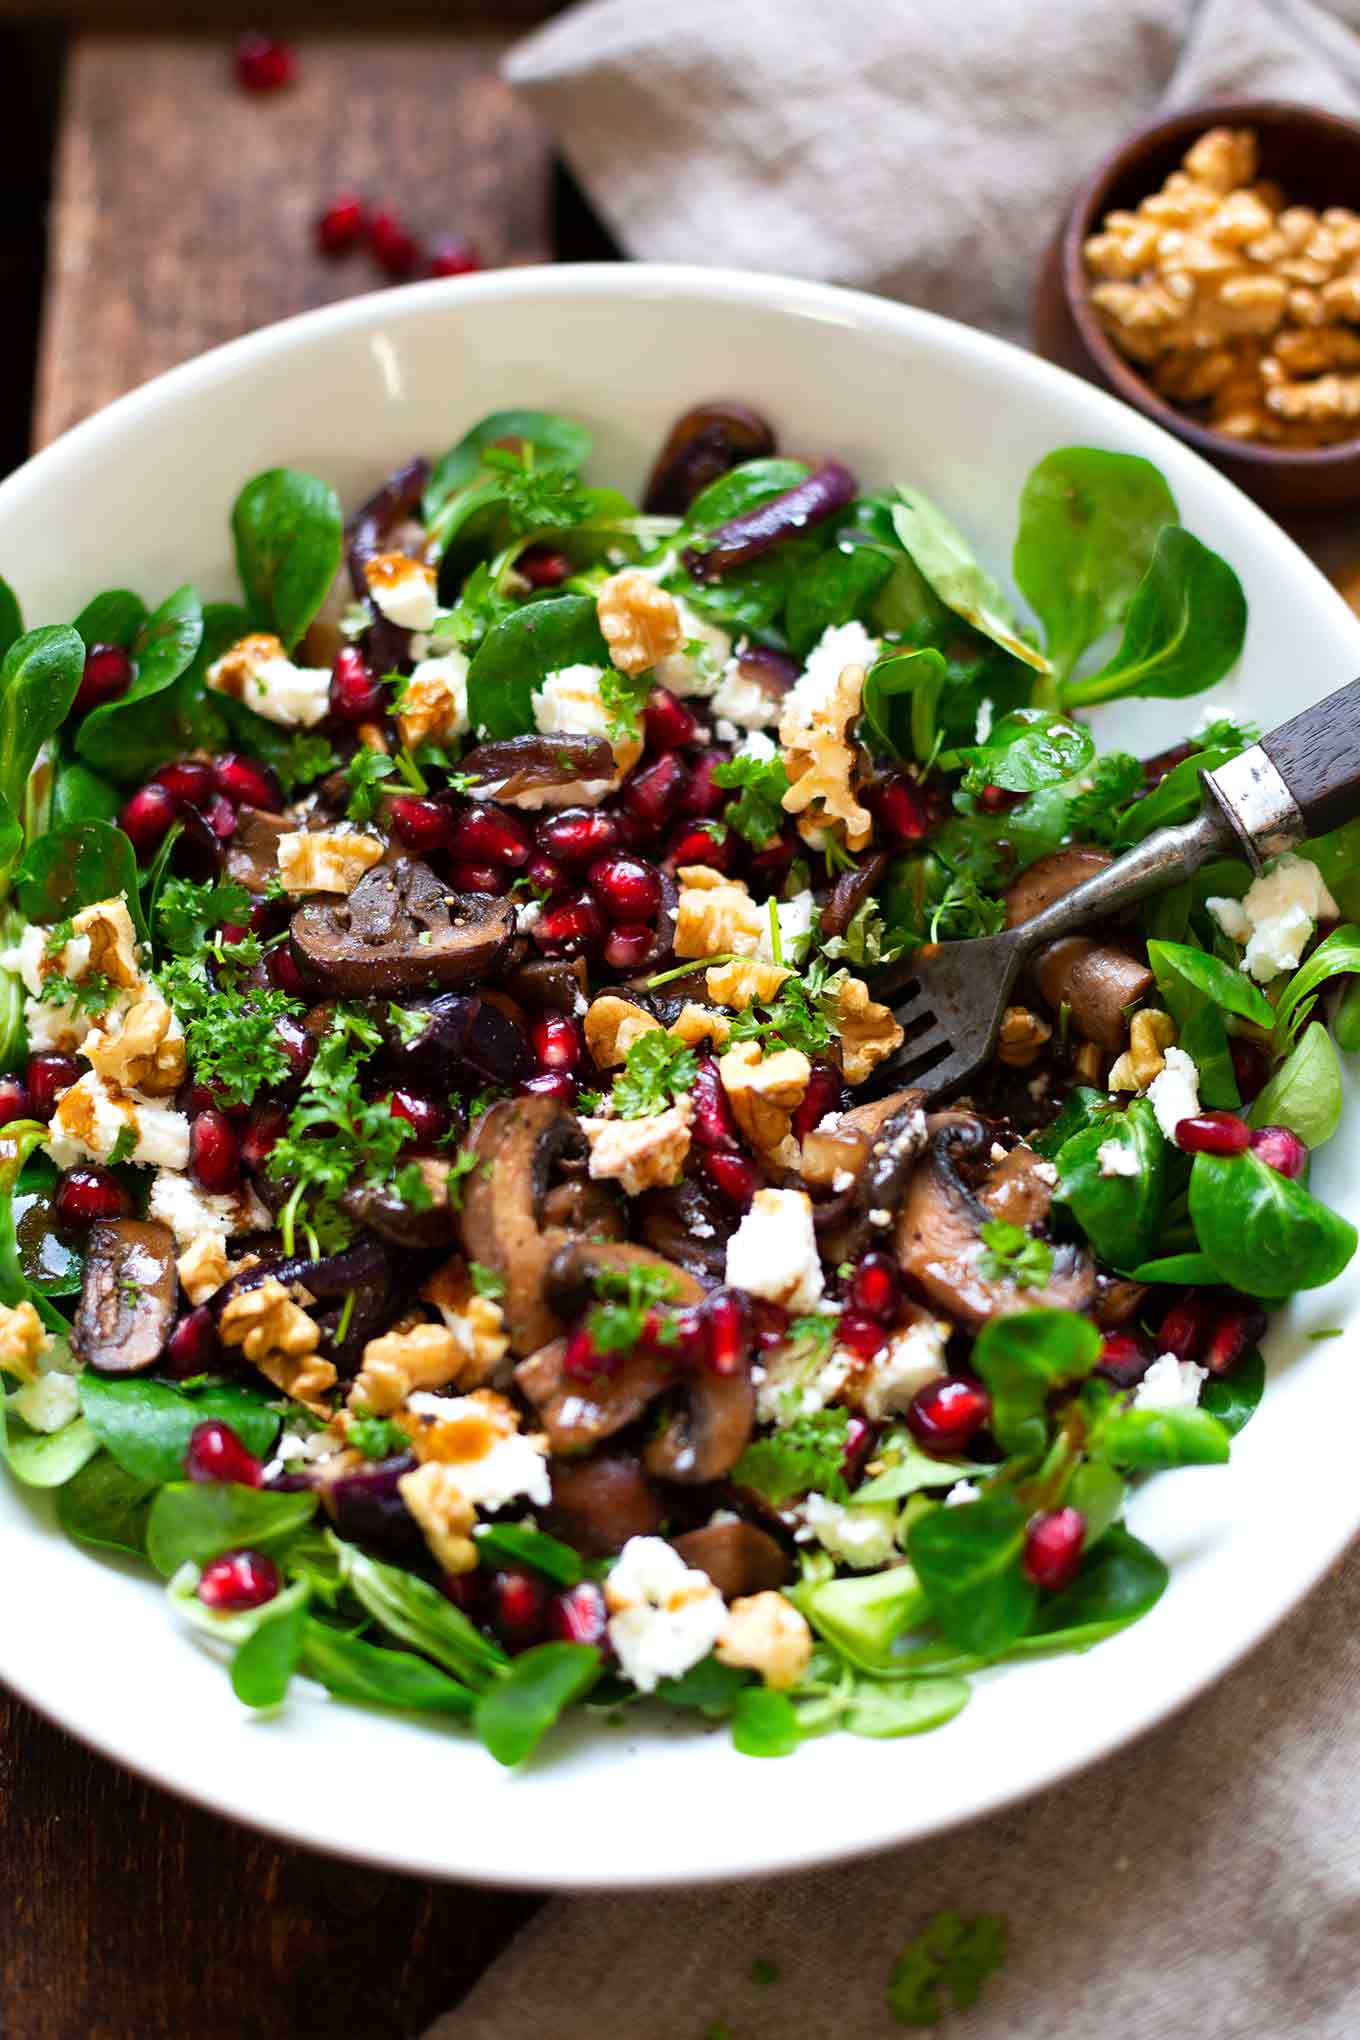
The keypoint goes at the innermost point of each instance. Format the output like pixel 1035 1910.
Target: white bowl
pixel 139 496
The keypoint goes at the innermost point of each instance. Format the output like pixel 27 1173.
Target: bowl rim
pixel 1120 374
pixel 858 314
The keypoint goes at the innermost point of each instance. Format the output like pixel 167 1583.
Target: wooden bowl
pixel 1315 158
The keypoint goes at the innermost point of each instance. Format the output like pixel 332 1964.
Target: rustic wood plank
pixel 183 207
pixel 129 1916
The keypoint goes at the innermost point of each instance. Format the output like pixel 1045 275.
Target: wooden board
pixel 184 208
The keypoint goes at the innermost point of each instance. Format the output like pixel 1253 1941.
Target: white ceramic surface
pixel 139 496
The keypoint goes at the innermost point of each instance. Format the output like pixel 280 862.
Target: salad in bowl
pixel 462 1220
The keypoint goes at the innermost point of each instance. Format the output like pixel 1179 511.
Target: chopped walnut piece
pixel 639 621
pixel 203 1267
pixel 716 914
pixel 694 1024
pixel 764 1092
pixel 432 1494
pixel 23 1340
pixel 433 705
pixel 476 1322
pixel 822 760
pixel 745 982
pixel 142 1051
pixel 1150 1033
pixel 419 1356
pixel 326 860
pixel 765 1633
pixel 277 1336
pixel 612 1025
pixel 113 943
pixel 1021 1037
pixel 868 1032
pixel 641 1154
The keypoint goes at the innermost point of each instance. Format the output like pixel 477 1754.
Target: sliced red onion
pixel 829 488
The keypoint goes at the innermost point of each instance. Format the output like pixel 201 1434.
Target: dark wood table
pixel 180 216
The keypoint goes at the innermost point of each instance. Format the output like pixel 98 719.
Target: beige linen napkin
pixel 1208 1879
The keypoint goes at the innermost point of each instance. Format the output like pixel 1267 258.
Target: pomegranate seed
pixel 556 1041
pixel 769 1323
pixel 946 1414
pixel 998 800
pixel 579 1615
pixel 485 835
pixel 284 974
pixel 246 783
pixel 239 1580
pixel 860 1438
pixel 298 1045
pixel 187 779
pixel 108 673
pixel 262 1136
pixel 1280 1148
pixel 468 1591
pixel 825 1093
pixel 725 1334
pixel 1124 1360
pixel 702 796
pixel 732 1176
pixel 690 1345
pixel 1251 1066
pixel 232 931
pixel 85 1194
pixel 216 1453
pixel 146 818
pixel 423 825
pixel 519 1607
pixel 195 1096
pixel 426 1115
pixel 214 1159
pixel 714 1126
pixel 578 835
pixel 47 1076
pixel 901 808
pixel 864 1336
pixel 356 693
pixel 669 725
pixel 655 790
pixel 341 225
pixel 1213 1133
pixel 1236 1330
pixel 454 257
pixel 627 888
pixel 581 1362
pixel 220 816
pixel 394 249
pixel 192 1346
pixel 263 65
pixel 777 856
pixel 1185 1326
pixel 1053 1544
pixel 625 947
pixel 13 1100
pixel 573 929
pixel 480 878
pixel 693 844
pixel 541 567
pixel 546 875
pixel 550 1084
pixel 875 1287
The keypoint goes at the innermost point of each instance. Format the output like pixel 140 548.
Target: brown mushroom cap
pixel 516 1144
pixel 127 1295
pixel 738 1558
pixel 1048 878
pixel 599 1503
pixel 570 1280
pixel 577 1415
pixel 401 929
pixel 706 1437
pixel 938 1230
pixel 252 850
pixel 579 1205
pixel 1098 981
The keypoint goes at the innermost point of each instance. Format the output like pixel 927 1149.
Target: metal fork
pixel 1299 781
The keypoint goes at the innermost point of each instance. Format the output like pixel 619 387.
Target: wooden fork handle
pixel 1301 780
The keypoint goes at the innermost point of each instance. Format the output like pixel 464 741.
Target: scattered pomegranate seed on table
pixel 342 225
pixel 454 256
pixel 262 64
pixel 394 249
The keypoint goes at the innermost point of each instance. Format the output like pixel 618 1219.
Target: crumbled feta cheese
pixel 858 1537
pixel 773 1252
pixel 527 916
pixel 1116 1158
pixel 646 1153
pixel 49 1403
pixel 699 667
pixel 403 590
pixel 795 1383
pixel 880 1216
pixel 91 1115
pixel 726 732
pixel 1277 917
pixel 258 672
pixel 757 745
pixel 911 1358
pixel 513 1466
pixel 742 701
pixel 983 728
pixel 1170 1384
pixel 962 1491
pixel 795 929
pixel 190 1212
pixel 1174 1095
pixel 840 645
pixel 1045 1173
pixel 569 703
pixel 664 1615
